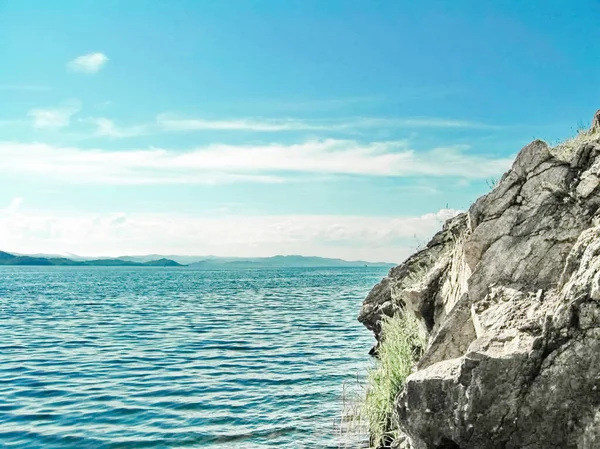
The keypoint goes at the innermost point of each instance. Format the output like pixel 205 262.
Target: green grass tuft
pixel 401 346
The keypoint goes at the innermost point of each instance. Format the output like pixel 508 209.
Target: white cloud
pixel 164 122
pixel 55 118
pixel 173 123
pixel 89 63
pixel 423 122
pixel 229 163
pixel 350 237
pixel 14 205
pixel 108 128
pixel 266 125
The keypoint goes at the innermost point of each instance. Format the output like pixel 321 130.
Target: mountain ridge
pixel 197 262
pixel 278 261
pixel 24 260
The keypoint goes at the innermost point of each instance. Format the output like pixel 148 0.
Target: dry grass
pixel 565 150
pixel 402 345
pixel 351 428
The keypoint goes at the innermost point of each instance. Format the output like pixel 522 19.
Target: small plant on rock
pixel 492 183
pixel 402 344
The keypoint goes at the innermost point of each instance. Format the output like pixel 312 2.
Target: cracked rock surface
pixel 509 295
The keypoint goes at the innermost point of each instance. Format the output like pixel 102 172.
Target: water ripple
pixel 176 358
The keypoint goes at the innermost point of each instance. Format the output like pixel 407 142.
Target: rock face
pixel 509 294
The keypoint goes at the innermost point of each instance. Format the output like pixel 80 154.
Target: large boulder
pixel 509 295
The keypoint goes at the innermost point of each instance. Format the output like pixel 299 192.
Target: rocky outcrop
pixel 509 295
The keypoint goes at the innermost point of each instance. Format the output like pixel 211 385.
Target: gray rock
pixel 509 295
pixel 596 121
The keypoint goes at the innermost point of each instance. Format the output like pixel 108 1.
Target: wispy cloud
pixel 90 63
pixel 14 205
pixel 352 237
pixel 55 118
pixel 230 163
pixel 265 125
pixel 422 122
pixel 402 95
pixel 107 128
pixel 173 123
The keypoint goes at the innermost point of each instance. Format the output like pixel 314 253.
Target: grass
pixel 370 409
pixel 492 183
pixel 401 346
pixel 351 428
pixel 583 134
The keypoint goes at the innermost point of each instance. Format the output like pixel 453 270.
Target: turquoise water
pixel 174 358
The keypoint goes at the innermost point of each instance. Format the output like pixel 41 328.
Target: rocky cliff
pixel 509 295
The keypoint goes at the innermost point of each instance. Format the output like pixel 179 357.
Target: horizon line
pixel 200 257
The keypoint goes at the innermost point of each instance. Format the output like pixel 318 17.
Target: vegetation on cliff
pixel 402 343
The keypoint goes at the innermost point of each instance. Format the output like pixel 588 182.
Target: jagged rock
pixel 509 294
pixel 386 298
pixel 596 121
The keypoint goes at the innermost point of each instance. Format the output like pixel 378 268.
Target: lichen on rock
pixel 509 295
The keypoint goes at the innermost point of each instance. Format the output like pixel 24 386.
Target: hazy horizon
pixel 198 257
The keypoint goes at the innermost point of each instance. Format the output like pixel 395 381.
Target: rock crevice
pixel 509 296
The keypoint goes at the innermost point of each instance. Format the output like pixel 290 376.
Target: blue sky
pixel 252 128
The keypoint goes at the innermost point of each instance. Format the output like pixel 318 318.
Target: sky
pixel 335 128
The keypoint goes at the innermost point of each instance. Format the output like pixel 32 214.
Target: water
pixel 173 358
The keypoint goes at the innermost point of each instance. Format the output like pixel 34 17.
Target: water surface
pixel 172 358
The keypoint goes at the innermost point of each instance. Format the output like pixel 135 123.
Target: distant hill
pixel 69 256
pixel 162 263
pixel 196 262
pixel 282 262
pixel 185 260
pixel 215 263
pixel 11 259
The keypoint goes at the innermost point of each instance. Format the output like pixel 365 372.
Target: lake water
pixel 174 358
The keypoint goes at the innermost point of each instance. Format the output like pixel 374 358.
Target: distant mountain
pixel 11 259
pixel 185 260
pixel 6 256
pixel 215 262
pixel 70 256
pixel 282 262
pixel 162 263
pixel 197 262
